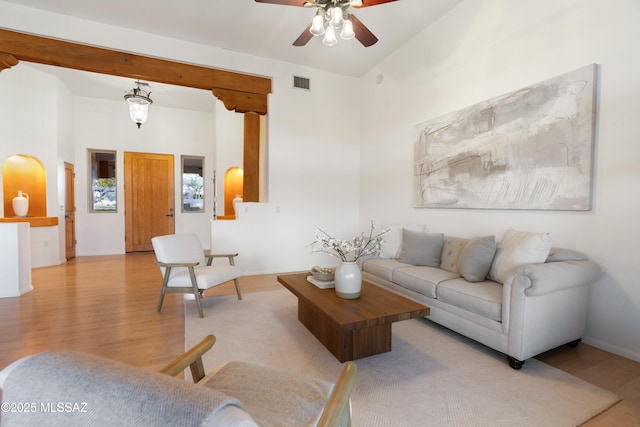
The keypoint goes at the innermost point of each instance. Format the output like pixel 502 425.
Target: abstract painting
pixel 528 149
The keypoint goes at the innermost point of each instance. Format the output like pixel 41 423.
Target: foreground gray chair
pixel 273 397
pixel 186 268
pixel 78 389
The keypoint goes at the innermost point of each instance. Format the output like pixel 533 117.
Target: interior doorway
pixel 69 212
pixel 149 199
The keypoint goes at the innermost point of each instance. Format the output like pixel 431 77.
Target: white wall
pixel 483 49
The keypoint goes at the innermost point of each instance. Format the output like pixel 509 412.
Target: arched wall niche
pixel 22 172
pixel 233 187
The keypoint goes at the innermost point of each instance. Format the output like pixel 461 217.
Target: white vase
pixel 348 280
pixel 236 204
pixel 21 204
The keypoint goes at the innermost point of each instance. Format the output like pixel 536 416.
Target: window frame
pixel 93 171
pixel 199 191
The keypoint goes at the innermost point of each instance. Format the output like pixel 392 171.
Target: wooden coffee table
pixel 350 329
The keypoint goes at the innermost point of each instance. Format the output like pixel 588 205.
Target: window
pixel 102 183
pixel 192 184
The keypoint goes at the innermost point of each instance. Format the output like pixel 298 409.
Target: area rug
pixel 432 376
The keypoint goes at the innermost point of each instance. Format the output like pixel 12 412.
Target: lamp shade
pixel 139 102
pixel 138 110
pixel 337 20
pixel 347 32
pixel 317 25
pixel 330 37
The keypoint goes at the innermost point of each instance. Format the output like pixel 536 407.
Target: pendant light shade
pixel 139 101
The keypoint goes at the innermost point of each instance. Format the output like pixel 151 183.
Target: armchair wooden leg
pixel 161 298
pixel 196 291
pixel 235 281
pixel 165 280
pixel 199 304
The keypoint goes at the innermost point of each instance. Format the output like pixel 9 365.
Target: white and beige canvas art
pixel 528 149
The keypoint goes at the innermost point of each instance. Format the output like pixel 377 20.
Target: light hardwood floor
pixel 106 305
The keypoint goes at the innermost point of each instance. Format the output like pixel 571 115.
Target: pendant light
pixel 139 101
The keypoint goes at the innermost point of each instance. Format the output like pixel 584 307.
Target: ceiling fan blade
pixel 300 3
pixel 304 38
pixel 369 3
pixel 363 34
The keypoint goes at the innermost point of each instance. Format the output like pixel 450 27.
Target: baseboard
pixel 624 352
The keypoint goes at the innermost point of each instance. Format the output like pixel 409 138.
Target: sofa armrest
pixel 554 276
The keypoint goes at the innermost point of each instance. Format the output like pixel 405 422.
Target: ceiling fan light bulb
pixel 347 30
pixel 330 37
pixel 337 20
pixel 356 3
pixel 317 25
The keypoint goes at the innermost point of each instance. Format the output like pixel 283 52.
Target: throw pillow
pixel 476 257
pixel 451 249
pixel 421 248
pixel 392 241
pixel 519 248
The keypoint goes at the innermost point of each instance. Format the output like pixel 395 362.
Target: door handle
pixel 170 215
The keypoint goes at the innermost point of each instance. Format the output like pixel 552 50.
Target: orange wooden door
pixel 149 199
pixel 69 212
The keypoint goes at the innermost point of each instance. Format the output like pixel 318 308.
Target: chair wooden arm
pixel 336 411
pixel 176 264
pixel 209 256
pixel 191 358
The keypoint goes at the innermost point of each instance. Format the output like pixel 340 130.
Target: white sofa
pixel 518 296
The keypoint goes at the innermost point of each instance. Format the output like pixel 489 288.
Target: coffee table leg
pixel 345 345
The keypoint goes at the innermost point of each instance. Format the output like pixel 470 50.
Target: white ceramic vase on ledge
pixel 21 204
pixel 348 280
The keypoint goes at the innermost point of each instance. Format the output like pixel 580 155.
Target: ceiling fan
pixel 333 16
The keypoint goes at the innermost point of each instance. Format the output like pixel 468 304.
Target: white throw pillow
pixel 519 248
pixel 392 241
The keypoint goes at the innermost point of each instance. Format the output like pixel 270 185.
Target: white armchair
pixel 187 269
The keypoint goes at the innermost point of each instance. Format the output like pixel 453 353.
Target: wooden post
pixel 251 164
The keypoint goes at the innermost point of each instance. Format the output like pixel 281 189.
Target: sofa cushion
pixel 392 240
pixel 482 298
pixel 382 267
pixel 451 248
pixel 476 257
pixel 421 248
pixel 422 279
pixel 519 248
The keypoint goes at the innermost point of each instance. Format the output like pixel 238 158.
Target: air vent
pixel 301 82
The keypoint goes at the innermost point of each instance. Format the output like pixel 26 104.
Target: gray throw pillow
pixel 421 248
pixel 476 257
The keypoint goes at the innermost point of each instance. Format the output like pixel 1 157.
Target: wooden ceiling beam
pixel 43 50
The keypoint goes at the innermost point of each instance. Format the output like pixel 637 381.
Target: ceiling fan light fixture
pixel 330 37
pixel 317 24
pixel 139 101
pixel 347 32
